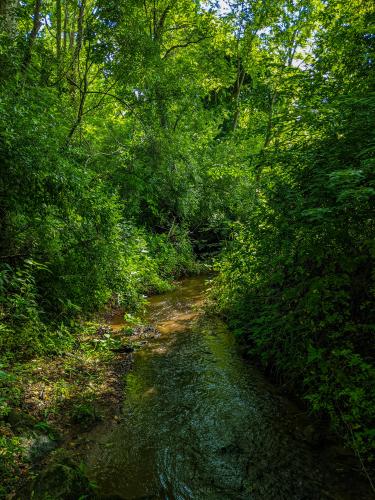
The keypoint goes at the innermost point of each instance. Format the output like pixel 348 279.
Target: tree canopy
pixel 138 137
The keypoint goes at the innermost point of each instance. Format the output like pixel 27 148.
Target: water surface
pixel 199 423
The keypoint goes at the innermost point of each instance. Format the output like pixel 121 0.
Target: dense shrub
pixel 297 281
pixel 66 248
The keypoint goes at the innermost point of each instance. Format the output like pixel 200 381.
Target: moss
pixel 64 478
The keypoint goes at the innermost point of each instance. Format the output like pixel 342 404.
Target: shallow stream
pixel 200 423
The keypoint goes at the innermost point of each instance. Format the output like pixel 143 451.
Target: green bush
pixel 297 280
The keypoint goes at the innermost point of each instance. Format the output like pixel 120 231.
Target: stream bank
pixel 196 422
pixel 56 401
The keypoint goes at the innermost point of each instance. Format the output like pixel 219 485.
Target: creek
pixel 201 423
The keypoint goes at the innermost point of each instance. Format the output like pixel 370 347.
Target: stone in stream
pixel 146 332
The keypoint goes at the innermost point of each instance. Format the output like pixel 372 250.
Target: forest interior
pixel 143 141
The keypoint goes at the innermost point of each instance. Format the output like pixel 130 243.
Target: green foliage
pixel 173 253
pixel 22 331
pixel 135 133
pixel 85 414
pixel 297 281
pixel 94 210
pixel 106 343
pixel 10 450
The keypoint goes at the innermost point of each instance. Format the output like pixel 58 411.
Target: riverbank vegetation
pixel 138 138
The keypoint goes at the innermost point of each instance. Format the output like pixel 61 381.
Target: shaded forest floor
pixel 57 401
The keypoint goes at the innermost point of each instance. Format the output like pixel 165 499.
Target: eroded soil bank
pixel 200 423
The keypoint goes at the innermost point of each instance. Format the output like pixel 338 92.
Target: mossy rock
pixel 64 479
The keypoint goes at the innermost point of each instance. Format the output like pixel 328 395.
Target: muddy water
pixel 199 423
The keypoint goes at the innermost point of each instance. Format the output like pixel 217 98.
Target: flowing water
pixel 199 423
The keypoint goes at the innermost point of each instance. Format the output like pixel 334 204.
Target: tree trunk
pixel 58 30
pixel 34 32
pixel 81 15
pixel 65 29
pixel 58 42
